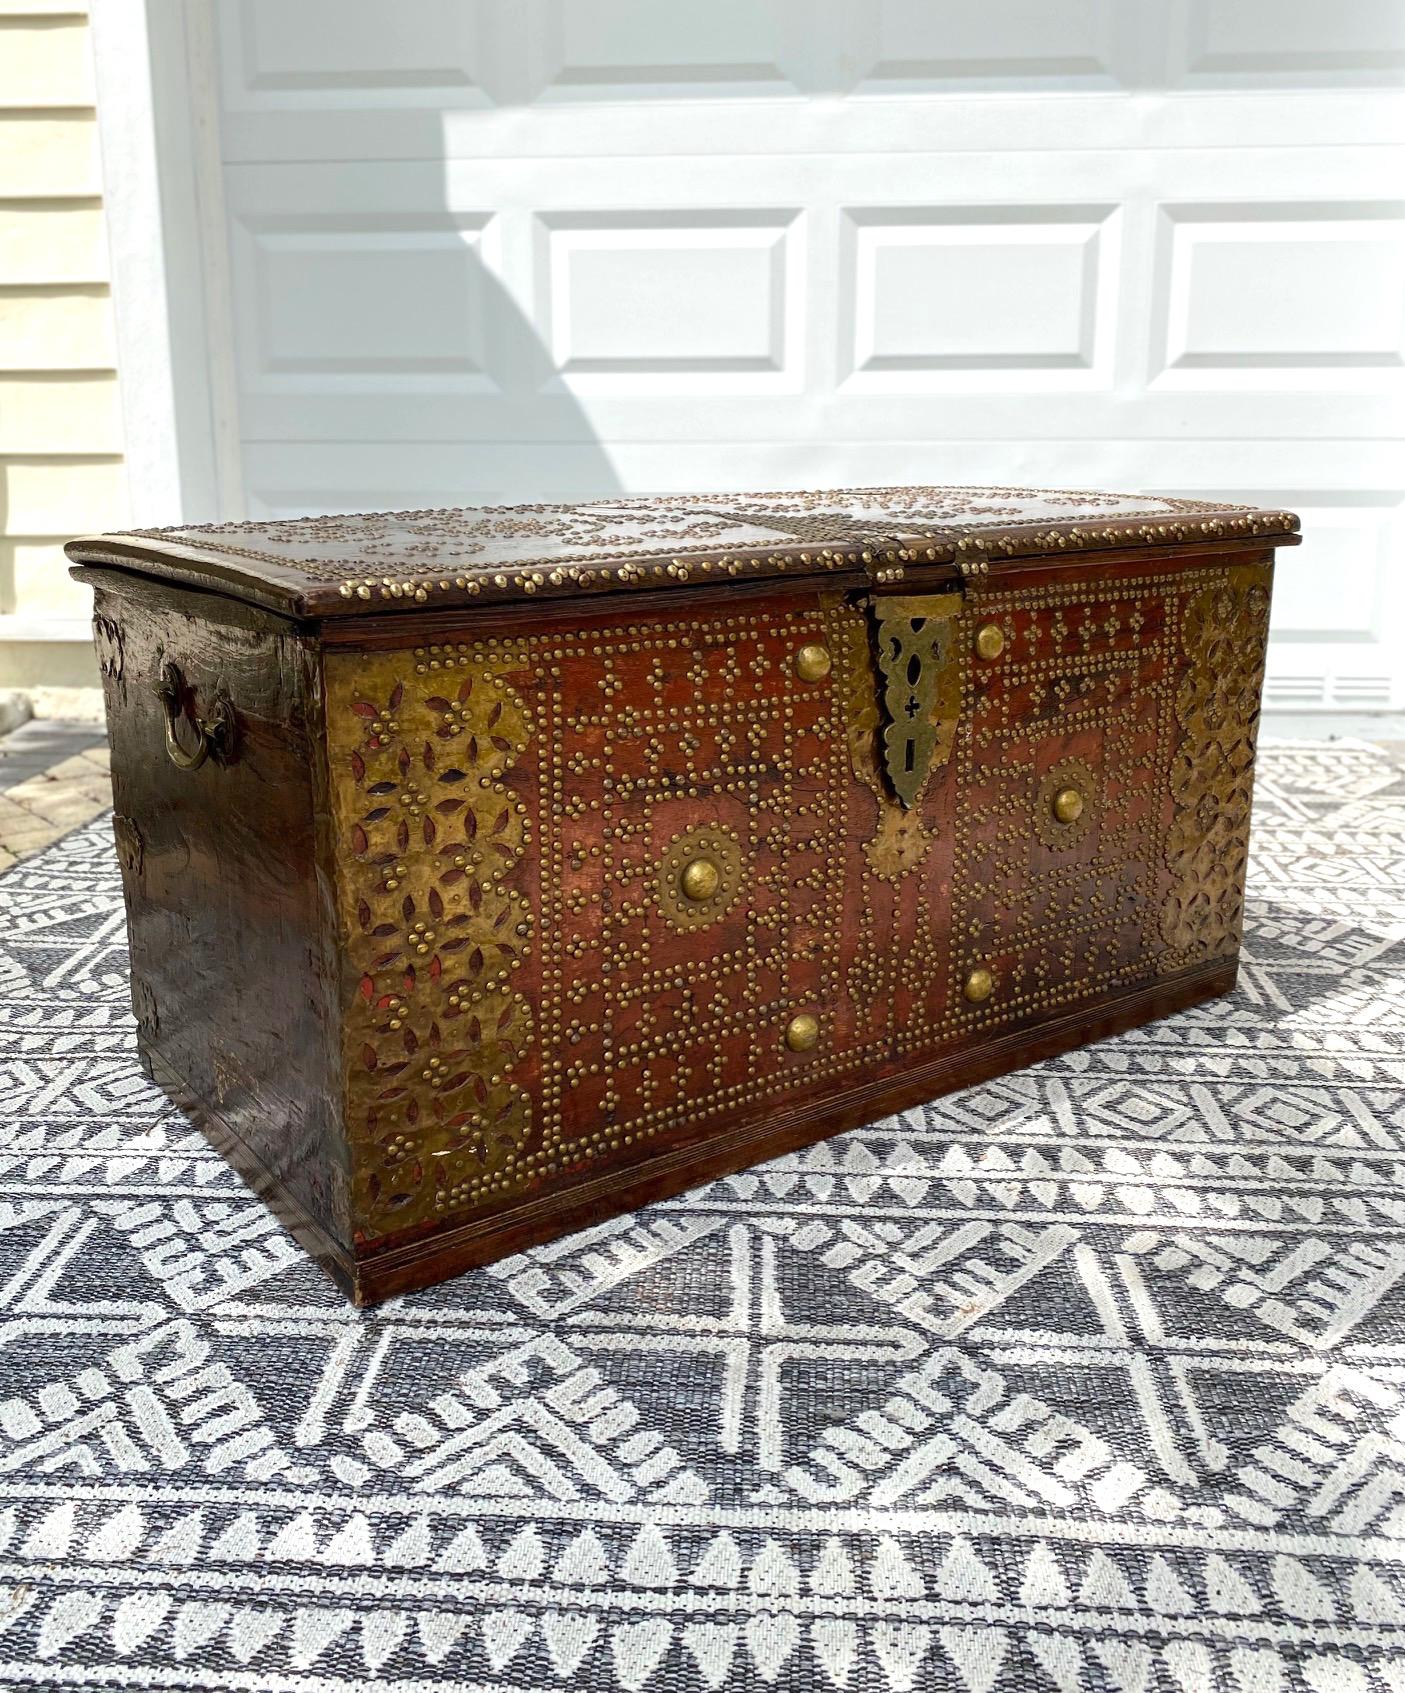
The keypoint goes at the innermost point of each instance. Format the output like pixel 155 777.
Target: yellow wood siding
pixel 60 431
pixel 44 60
pixel 59 412
pixel 39 572
pixel 54 328
pixel 48 156
pixel 52 240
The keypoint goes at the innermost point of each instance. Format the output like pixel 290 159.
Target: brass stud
pixel 812 663
pixel 802 1032
pixel 979 985
pixel 1068 805
pixel 700 879
pixel 990 640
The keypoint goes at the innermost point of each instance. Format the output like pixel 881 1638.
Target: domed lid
pixel 377 562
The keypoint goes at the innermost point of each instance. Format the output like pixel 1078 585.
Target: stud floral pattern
pixel 722 852
pixel 1054 832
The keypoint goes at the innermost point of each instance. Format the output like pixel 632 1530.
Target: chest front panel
pixel 607 892
pixel 690 906
pixel 1061 766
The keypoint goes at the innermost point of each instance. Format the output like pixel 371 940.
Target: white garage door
pixel 543 248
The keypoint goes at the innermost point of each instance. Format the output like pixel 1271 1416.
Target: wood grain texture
pixel 232 980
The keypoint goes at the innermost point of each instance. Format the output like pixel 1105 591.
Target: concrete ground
pixel 1385 728
pixel 53 778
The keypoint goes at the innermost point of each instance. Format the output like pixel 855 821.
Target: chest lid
pixel 378 562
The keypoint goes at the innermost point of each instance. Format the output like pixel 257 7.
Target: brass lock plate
pixel 915 643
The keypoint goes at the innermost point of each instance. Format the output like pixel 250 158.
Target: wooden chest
pixel 490 872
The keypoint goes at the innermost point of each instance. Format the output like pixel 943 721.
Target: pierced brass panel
pixel 1224 636
pixel 901 842
pixel 431 831
pixel 918 659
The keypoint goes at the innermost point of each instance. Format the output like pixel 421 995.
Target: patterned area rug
pixel 1092 1378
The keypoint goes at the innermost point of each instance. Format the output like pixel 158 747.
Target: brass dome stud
pixel 990 640
pixel 1068 805
pixel 802 1032
pixel 979 985
pixel 700 879
pixel 812 663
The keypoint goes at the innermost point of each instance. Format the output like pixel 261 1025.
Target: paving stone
pixel 43 743
pixel 53 779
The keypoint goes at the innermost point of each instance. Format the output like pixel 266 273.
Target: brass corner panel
pixel 429 834
pixel 1223 639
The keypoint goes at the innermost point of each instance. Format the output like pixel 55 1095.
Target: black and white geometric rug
pixel 1092 1378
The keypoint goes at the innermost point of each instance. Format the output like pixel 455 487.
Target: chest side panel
pixel 232 978
pixel 612 891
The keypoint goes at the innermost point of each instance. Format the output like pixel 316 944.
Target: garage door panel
pixel 661 301
pixel 1280 293
pixel 382 302
pixel 340 53
pixel 910 45
pixel 1292 43
pixel 617 49
pixel 968 297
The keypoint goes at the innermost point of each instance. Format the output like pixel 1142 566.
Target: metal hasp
pixel 915 642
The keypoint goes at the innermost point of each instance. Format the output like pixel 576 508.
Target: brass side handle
pixel 214 734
